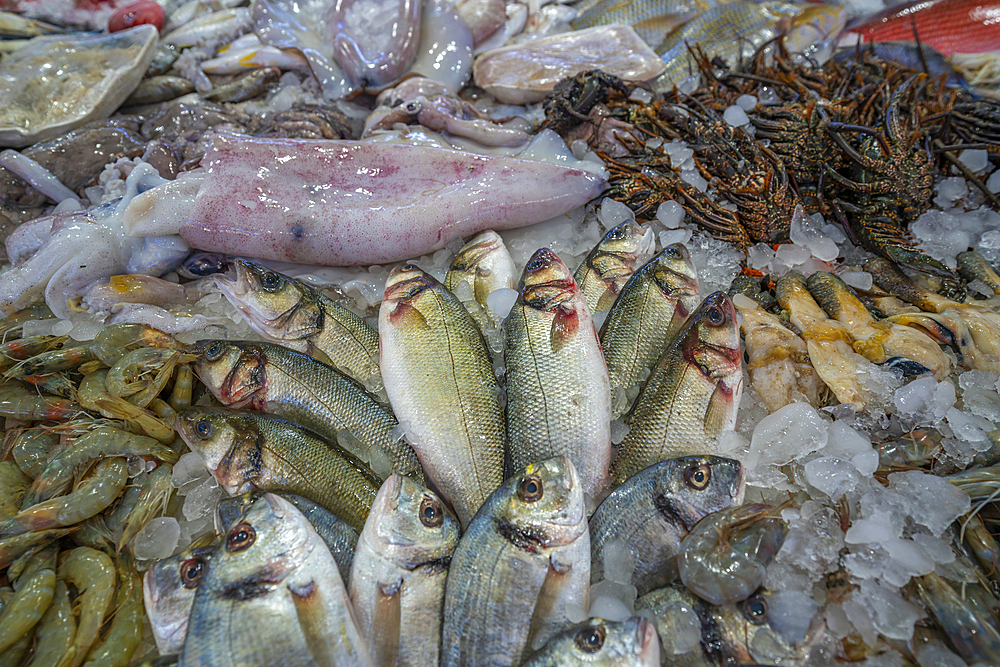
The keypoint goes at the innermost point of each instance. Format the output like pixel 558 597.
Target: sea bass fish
pixel 287 311
pixel 519 566
pixel 440 381
pixel 372 202
pixel 631 643
pixel 272 595
pixel 692 395
pixel 558 394
pixel 604 272
pixel 399 573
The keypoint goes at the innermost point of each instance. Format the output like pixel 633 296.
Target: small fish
pixel 609 266
pixel 655 509
pixel 399 573
pixel 652 307
pixel 272 595
pixel 168 589
pixel 724 558
pixel 974 266
pixel 631 643
pixel 253 83
pixel 288 384
pixel 250 451
pixel 159 89
pixel 518 566
pixel 692 395
pixel 441 384
pixel 779 364
pixel 652 21
pixel 15 26
pixel 483 264
pixel 558 393
pixel 287 311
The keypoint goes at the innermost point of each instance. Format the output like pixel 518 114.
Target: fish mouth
pixel 648 643
pixel 739 486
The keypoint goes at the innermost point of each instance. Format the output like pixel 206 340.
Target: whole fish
pixel 652 307
pixel 652 21
pixel 558 394
pixel 950 26
pixel 485 265
pixel 399 572
pixel 656 508
pixel 604 272
pixel 724 558
pixel 273 379
pixel 631 643
pixel 440 381
pixel 287 311
pixel 755 23
pixel 272 595
pixel 518 566
pixel 876 341
pixel 249 451
pixel 169 587
pixel 974 266
pixel 692 395
pixel 339 537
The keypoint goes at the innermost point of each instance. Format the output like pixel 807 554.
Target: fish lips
pixel 647 643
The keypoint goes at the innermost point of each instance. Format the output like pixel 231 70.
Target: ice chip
pixel 910 556
pixel 613 213
pixel 857 279
pixel 202 500
pixel 891 613
pixel 790 613
pixel 157 539
pixel 845 442
pixel 935 503
pixel 874 529
pixel 619 561
pixel 619 430
pixel 501 300
pixel 759 256
pixel 607 607
pixel 832 476
pixel 788 434
pixel 866 462
pixel 670 214
pixel 976 159
pixel 993 182
pixel 968 427
pixel 188 472
pixel 736 116
pixel 747 102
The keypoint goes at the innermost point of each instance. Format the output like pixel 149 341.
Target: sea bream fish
pixel 365 203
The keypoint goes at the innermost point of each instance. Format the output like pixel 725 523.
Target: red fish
pixel 950 26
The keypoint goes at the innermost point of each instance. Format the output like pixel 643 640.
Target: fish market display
pixel 491 332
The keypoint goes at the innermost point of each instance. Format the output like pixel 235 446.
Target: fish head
pixel 546 283
pixel 712 344
pixel 605 643
pixel 226 441
pixel 403 289
pixel 269 542
pixel 274 305
pixel 232 371
pixel 771 627
pixel 692 487
pixel 168 590
pixel 624 244
pixel 476 252
pixel 814 24
pixel 410 522
pixel 676 276
pixel 543 505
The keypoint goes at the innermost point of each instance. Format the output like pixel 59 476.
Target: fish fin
pixel 547 619
pixel 719 412
pixel 405 315
pixel 564 326
pixel 311 613
pixel 320 355
pixel 606 301
pixel 385 623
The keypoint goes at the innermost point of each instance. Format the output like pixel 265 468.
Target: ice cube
pixel 619 430
pixel 619 561
pixel 788 434
pixel 891 613
pixel 792 254
pixel 874 529
pixel 685 628
pixel 735 116
pixel 759 256
pixel 670 236
pixel 790 614
pixel 769 95
pixel 832 476
pixel 910 556
pixel 858 279
pixel 501 300
pixel 807 232
pixel 608 608
pixel 613 213
pixel 845 441
pixel 993 182
pixel 925 398
pixel 953 188
pixel 746 102
pixel 670 214
pixel 157 539
pixel 969 427
pixel 188 472
pixel 934 502
pixel 201 500
pixel 976 159
pixel 695 179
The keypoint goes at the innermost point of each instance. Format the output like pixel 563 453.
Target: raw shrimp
pixel 31 448
pixel 101 442
pixel 93 574
pixel 115 341
pixel 52 361
pixel 971 635
pixel 180 397
pixel 25 348
pixel 55 630
pixel 12 548
pixel 13 485
pixel 123 638
pixel 56 384
pixel 96 491
pixel 983 546
pixel 153 500
pixel 93 395
pixel 725 556
pixel 141 374
pixel 34 590
pixel 18 403
pixel 14 321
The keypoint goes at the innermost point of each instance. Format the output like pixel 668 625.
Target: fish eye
pixel 203 428
pixel 408 267
pixel 530 489
pixel 715 316
pixel 755 609
pixel 214 351
pixel 430 513
pixel 591 639
pixel 241 537
pixel 191 571
pixel 617 233
pixel 270 281
pixel 698 477
pixel 535 264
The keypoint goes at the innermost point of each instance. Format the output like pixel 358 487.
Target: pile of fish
pixel 490 333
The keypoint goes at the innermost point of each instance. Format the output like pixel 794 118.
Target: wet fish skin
pixel 609 266
pixel 250 451
pixel 558 393
pixel 630 643
pixel 484 264
pixel 510 556
pixel 692 395
pixel 272 595
pixel 169 587
pixel 652 307
pixel 270 378
pixel 654 510
pixel 440 381
pixel 652 21
pixel 399 572
pixel 287 311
